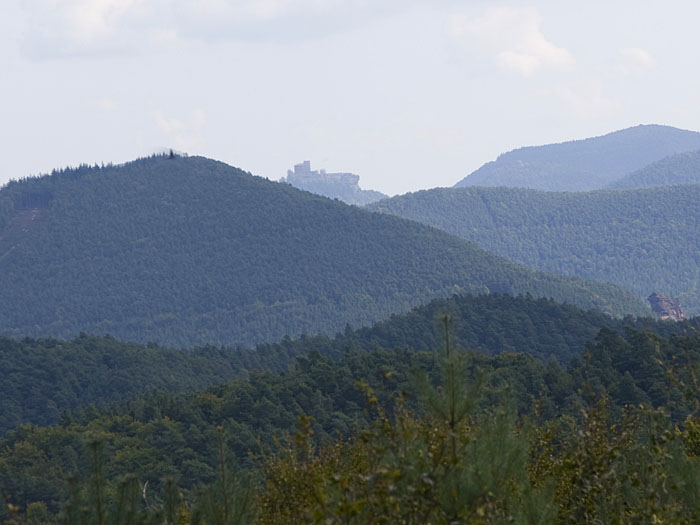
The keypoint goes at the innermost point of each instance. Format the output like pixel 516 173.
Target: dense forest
pixel 186 343
pixel 388 433
pixel 681 168
pixel 583 165
pixel 185 251
pixel 45 378
pixel 644 240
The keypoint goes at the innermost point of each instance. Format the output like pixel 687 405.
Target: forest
pixel 402 435
pixel 681 168
pixel 187 251
pixel 474 299
pixel 185 343
pixel 644 240
pixel 45 378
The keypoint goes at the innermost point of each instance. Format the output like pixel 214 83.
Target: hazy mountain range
pixel 522 309
pixel 581 165
pixel 189 251
pixel 681 168
pixel 644 240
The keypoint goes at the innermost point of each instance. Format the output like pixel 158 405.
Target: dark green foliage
pixel 681 168
pixel 44 378
pixel 583 165
pixel 165 435
pixel 188 251
pixel 461 451
pixel 491 324
pixel 644 240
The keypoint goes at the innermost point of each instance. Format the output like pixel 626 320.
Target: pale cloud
pixel 106 104
pixel 634 61
pixel 60 28
pixel 585 100
pixel 87 27
pixel 94 19
pixel 513 37
pixel 255 10
pixel 186 134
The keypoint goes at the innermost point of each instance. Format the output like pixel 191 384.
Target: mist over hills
pixel 582 165
pixel 187 251
pixel 681 168
pixel 644 240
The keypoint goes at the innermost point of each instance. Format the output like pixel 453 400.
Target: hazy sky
pixel 407 94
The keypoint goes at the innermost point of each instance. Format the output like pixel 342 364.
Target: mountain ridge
pixel 88 370
pixel 190 251
pixel 584 164
pixel 644 240
pixel 681 168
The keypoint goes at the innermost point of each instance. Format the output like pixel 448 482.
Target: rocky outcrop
pixel 343 186
pixel 666 307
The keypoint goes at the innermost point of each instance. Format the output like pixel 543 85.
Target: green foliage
pixel 179 435
pixel 187 251
pixel 497 323
pixel 460 466
pixel 681 168
pixel 631 469
pixel 402 470
pixel 45 379
pixel 583 165
pixel 643 240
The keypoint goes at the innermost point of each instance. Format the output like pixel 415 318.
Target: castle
pixel 303 173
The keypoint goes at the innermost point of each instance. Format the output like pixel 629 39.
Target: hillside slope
pixel 188 251
pixel 681 168
pixel 582 165
pixel 644 240
pixel 43 378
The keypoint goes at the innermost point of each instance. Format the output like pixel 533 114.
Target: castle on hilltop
pixel 303 173
pixel 343 186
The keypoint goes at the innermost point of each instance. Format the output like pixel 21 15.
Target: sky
pixel 407 94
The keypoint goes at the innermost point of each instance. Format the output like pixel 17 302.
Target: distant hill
pixel 582 165
pixel 43 378
pixel 187 251
pixel 343 186
pixel 681 168
pixel 645 240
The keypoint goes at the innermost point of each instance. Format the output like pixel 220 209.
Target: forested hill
pixel 582 165
pixel 186 437
pixel 187 251
pixel 681 168
pixel 645 240
pixel 44 378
